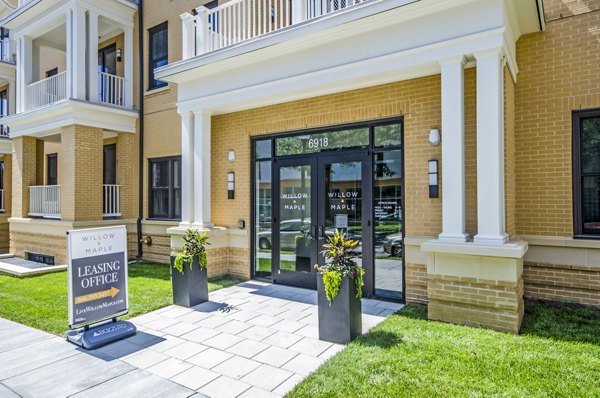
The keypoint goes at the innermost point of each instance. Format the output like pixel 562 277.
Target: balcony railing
pixel 112 201
pixel 44 201
pixel 240 20
pixel 2 208
pixel 111 89
pixel 7 49
pixel 46 92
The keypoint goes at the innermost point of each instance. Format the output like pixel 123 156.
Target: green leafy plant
pixel 339 263
pixel 194 245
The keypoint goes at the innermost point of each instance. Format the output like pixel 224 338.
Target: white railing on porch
pixel 112 200
pixel 240 20
pixel 46 92
pixel 44 201
pixel 6 50
pixel 2 208
pixel 111 89
pixel 4 130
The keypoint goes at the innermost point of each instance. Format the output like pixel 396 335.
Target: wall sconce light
pixel 434 137
pixel 231 156
pixel 241 224
pixel 433 180
pixel 119 55
pixel 231 185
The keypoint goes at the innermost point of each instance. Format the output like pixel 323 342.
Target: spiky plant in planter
pixel 190 285
pixel 339 263
pixel 194 245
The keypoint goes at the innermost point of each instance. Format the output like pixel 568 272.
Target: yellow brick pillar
pixel 127 158
pixel 23 174
pixel 81 173
pixel 39 163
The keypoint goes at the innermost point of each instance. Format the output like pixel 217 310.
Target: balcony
pixel 7 50
pixel 44 201
pixel 46 92
pixel 4 131
pixel 241 20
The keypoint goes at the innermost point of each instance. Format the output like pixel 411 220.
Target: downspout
pixel 141 141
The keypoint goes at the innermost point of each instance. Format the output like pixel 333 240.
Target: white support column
pixel 299 11
pixel 189 35
pixel 490 148
pixel 76 46
pixel 453 151
pixel 93 56
pixel 24 61
pixel 187 169
pixel 202 31
pixel 128 66
pixel 202 181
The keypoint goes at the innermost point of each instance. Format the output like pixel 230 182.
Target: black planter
pixel 342 321
pixel 190 288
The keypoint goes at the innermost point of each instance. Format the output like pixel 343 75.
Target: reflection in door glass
pixel 343 201
pixel 388 234
pixel 295 242
pixel 262 211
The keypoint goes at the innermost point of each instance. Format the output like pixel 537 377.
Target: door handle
pixel 321 232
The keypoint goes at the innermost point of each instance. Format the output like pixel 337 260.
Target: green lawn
pixel 41 301
pixel 557 354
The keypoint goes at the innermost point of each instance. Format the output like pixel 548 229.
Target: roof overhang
pixel 50 119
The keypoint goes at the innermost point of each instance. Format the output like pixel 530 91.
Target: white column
pixel 453 151
pixel 189 35
pixel 490 148
pixel 128 66
pixel 202 31
pixel 299 11
pixel 187 169
pixel 24 60
pixel 76 46
pixel 93 56
pixel 202 183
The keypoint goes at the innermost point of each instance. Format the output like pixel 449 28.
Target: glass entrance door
pixel 294 223
pixel 344 200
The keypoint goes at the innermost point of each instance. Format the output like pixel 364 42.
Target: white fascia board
pixel 413 63
pixel 39 23
pixel 5 146
pixel 112 10
pixel 48 120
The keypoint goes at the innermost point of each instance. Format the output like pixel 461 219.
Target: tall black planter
pixel 190 288
pixel 342 321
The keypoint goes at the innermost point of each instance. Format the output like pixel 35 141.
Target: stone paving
pixel 250 340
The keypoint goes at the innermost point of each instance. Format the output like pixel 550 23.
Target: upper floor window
pixel 165 188
pixel 159 52
pixel 586 172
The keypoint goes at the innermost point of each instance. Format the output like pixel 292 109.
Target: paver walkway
pixel 251 340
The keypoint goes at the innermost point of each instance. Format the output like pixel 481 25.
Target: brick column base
pixel 476 285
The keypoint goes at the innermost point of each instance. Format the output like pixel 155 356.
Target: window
pixel 5 45
pixel 165 188
pixel 52 170
pixel 52 72
pixel 586 173
pixel 159 52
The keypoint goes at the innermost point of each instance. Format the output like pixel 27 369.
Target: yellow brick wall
pixel 556 9
pixel 81 176
pixel 559 73
pixel 418 100
pixel 127 173
pixel 21 242
pixel 23 174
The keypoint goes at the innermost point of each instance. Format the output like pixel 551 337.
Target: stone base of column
pixel 476 285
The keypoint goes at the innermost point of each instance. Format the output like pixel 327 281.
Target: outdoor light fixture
pixel 231 156
pixel 241 224
pixel 434 137
pixel 433 179
pixel 119 55
pixel 230 185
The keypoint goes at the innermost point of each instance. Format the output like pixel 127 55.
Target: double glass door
pixel 314 197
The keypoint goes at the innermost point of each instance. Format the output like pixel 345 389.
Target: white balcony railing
pixel 240 20
pixel 112 201
pixel 111 89
pixel 2 208
pixel 7 48
pixel 4 130
pixel 44 201
pixel 46 92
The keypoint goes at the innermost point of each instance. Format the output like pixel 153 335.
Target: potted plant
pixel 188 270
pixel 340 291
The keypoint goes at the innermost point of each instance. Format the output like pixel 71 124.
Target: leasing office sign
pixel 97 274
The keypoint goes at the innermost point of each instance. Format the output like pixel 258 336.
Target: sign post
pixel 97 284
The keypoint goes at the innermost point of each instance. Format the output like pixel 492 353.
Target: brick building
pixel 457 140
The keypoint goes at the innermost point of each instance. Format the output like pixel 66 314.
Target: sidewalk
pixel 251 340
